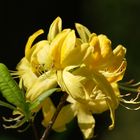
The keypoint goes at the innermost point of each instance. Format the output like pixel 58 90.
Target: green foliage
pixel 10 89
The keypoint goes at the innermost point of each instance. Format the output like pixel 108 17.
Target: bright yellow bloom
pixel 111 64
pixel 91 89
pixel 65 50
pixel 86 68
pixel 46 57
pixel 31 68
pixel 94 84
pixel 96 104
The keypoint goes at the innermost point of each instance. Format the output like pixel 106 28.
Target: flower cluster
pixel 84 67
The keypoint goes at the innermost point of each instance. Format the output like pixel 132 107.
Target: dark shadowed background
pixel 118 19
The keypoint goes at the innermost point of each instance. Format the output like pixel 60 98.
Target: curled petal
pixel 30 42
pixel 40 52
pixel 105 46
pixel 83 32
pixel 93 60
pixel 25 73
pixel 54 54
pixel 86 122
pixel 118 58
pixel 111 99
pixel 73 52
pixel 72 84
pixel 68 46
pixel 119 52
pixel 42 84
pixel 55 28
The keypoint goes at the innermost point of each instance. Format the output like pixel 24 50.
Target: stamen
pixel 129 101
pixel 129 107
pixel 127 83
pixel 24 129
pixel 12 119
pixel 14 74
pixel 125 95
pixel 132 101
pixel 16 125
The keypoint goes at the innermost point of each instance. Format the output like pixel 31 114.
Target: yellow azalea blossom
pixel 54 56
pixel 93 95
pixel 26 67
pixel 83 110
pixel 66 50
pixel 46 57
pixel 31 68
pixel 86 68
pixel 90 88
pixel 111 64
pixel 32 65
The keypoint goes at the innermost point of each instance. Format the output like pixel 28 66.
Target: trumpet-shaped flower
pixel 90 88
pixel 46 57
pixel 66 50
pixel 95 99
pixel 89 93
pixel 111 64
pixel 31 68
pixel 86 68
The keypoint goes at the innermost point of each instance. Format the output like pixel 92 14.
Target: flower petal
pixel 55 28
pixel 73 52
pixel 48 110
pixel 25 72
pixel 111 98
pixel 68 46
pixel 72 84
pixel 105 45
pixel 54 54
pixel 66 114
pixel 30 42
pixel 83 32
pixel 40 52
pixel 43 83
pixel 116 68
pixel 86 122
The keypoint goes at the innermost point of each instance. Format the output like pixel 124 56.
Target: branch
pixel 34 130
pixel 58 109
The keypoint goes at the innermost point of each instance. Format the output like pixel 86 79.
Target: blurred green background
pixel 118 19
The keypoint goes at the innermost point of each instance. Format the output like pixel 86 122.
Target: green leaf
pixel 10 89
pixel 41 98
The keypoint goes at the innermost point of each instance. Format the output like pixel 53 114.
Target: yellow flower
pixel 92 84
pixel 111 64
pixel 90 88
pixel 46 57
pixel 31 70
pixel 97 103
pixel 25 68
pixel 85 119
pixel 65 50
pixel 86 68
